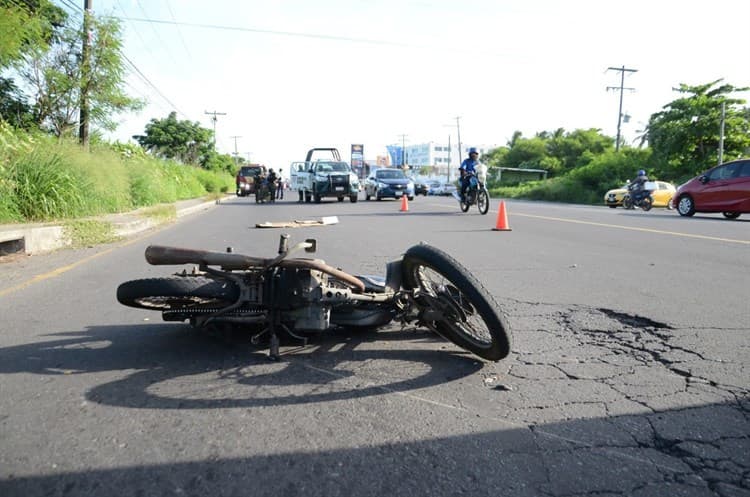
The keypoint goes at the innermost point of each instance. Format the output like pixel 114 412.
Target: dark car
pixel 421 187
pixel 389 182
pixel 245 177
pixel 724 188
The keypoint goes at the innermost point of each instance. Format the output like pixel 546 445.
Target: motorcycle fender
pixel 393 276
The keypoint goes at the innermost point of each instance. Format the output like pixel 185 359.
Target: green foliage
pixel 57 77
pixel 219 163
pixel 586 184
pixel 43 179
pixel 19 30
pixel 685 135
pixel 170 138
pixel 44 188
pixel 556 152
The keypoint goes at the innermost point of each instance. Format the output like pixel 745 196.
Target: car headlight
pixel 382 185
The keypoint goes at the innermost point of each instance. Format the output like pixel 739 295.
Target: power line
pixel 179 31
pixel 275 32
pixel 150 84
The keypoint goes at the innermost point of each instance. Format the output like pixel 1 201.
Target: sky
pixel 289 75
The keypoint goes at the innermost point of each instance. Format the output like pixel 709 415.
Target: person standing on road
pixel 280 186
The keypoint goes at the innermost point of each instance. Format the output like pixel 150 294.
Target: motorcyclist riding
pixel 468 167
pixel 637 185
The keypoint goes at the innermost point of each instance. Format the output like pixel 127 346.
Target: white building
pixel 441 156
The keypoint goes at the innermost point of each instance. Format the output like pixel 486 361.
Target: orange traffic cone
pixel 404 204
pixel 502 219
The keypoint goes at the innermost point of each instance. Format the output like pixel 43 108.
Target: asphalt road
pixel 629 373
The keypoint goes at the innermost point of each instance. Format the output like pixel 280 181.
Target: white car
pixel 443 189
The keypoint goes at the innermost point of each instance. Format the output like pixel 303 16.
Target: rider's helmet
pixel 641 172
pixel 270 170
pixel 473 150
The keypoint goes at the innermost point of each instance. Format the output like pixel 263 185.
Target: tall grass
pixel 42 179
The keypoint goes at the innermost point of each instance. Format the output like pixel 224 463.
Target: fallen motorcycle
pixel 297 296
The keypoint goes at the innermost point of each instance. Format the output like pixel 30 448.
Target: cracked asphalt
pixel 628 374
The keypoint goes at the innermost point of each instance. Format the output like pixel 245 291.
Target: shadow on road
pixel 165 352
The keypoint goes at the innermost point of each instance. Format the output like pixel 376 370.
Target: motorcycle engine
pixel 300 294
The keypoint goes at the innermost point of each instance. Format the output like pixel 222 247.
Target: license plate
pixel 339 188
pixel 398 194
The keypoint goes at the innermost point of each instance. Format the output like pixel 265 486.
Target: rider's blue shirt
pixel 469 165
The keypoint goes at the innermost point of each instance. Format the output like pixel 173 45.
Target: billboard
pixel 358 160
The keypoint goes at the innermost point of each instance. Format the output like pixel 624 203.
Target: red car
pixel 724 188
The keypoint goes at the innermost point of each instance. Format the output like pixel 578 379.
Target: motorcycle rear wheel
pixel 470 316
pixel 483 202
pixel 647 203
pixel 176 292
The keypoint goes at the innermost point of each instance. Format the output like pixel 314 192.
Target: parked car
pixel 443 189
pixel 389 182
pixel 724 188
pixel 244 180
pixel 421 187
pixel 434 186
pixel 662 195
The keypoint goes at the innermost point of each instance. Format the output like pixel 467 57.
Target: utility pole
pixel 213 120
pixel 403 150
pixel 235 147
pixel 458 132
pixel 449 158
pixel 621 88
pixel 83 114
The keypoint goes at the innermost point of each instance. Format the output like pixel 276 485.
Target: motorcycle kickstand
pixel 273 339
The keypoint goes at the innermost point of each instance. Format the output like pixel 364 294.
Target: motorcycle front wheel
pixel 647 203
pixel 465 312
pixel 483 201
pixel 176 292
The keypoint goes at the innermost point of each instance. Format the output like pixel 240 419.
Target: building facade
pixel 443 158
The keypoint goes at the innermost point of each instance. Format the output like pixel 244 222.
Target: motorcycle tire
pixel 470 316
pixel 176 292
pixel 464 206
pixel 627 203
pixel 483 202
pixel 647 203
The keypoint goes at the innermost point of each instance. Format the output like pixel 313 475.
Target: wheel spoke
pixel 461 315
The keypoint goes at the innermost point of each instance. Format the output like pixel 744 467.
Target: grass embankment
pixel 42 179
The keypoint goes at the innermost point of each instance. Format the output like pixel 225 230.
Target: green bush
pixel 44 187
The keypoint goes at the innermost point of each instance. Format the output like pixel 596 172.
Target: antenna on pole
pixel 621 88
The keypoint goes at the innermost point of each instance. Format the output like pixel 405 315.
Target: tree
pixel 169 138
pixel 58 79
pixel 685 135
pixel 14 108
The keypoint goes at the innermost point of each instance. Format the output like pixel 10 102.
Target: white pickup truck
pixel 316 178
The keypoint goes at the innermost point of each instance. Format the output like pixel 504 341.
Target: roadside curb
pixel 34 239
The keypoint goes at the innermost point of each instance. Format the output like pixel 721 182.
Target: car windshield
pixel 338 167
pixel 390 174
pixel 249 171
